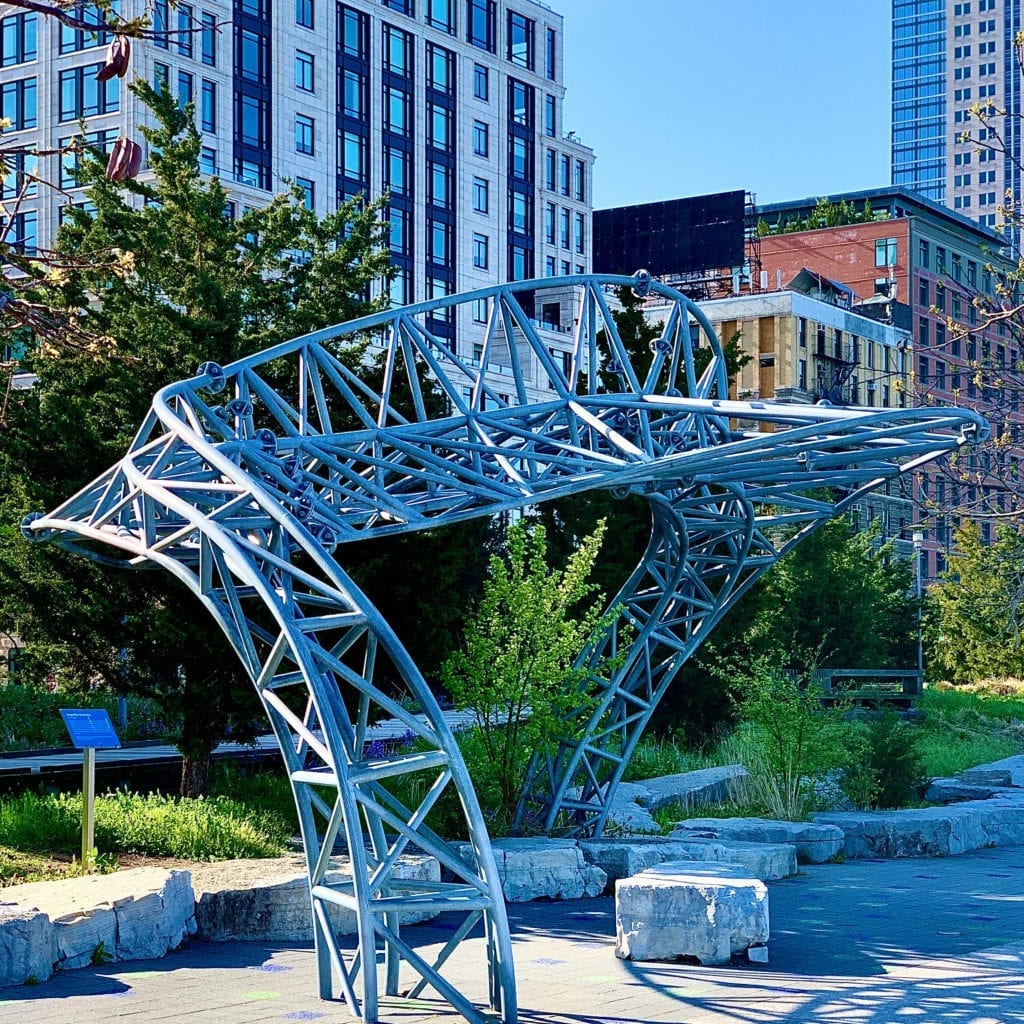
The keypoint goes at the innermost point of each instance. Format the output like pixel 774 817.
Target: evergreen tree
pixel 164 278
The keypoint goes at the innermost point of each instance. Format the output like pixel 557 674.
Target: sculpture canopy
pixel 246 481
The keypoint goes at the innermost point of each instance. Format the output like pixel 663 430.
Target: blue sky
pixel 787 98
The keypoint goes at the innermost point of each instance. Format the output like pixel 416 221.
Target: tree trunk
pixel 195 774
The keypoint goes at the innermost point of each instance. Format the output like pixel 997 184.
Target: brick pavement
pixel 867 942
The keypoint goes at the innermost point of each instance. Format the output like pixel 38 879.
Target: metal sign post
pixel 90 730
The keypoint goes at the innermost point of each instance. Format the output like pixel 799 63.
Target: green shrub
pixel 891 769
pixel 30 716
pixel 788 741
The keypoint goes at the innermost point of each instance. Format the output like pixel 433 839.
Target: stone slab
pixel 950 791
pixel 533 869
pixel 815 842
pixel 690 909
pixel 694 789
pixel 623 857
pixel 268 900
pixel 135 914
pixel 26 943
pixel 932 831
pixel 1007 772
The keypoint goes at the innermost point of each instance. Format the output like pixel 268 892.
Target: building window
pixel 18 99
pixel 550 116
pixel 549 266
pixel 303 71
pixel 186 15
pixel 940 259
pixel 481 195
pixel 566 221
pixel 481 83
pixel 550 170
pixel 551 52
pixel 208 160
pixel 439 180
pixel 208 39
pixel 481 142
pixel 480 24
pixel 480 311
pixel 161 25
pixel 20 179
pixel 922 331
pixel 441 69
pixel 397 113
pixel 186 88
pixel 480 246
pixel 885 252
pixel 397 51
pixel 354 95
pixel 304 15
pixel 519 263
pixel 566 173
pixel 304 127
pixel 520 40
pixel 923 291
pixel 396 170
pixel 81 95
pixel 440 238
pixel 581 233
pixel 520 97
pixel 550 213
pixel 353 156
pixel 23 232
pixel 439 121
pixel 18 35
pixel 441 14
pixel 521 158
pixel 940 297
pixel 252 118
pixel 407 7
pixel 520 213
pixel 355 33
pixel 254 54
pixel 73 39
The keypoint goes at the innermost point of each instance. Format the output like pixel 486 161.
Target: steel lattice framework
pixel 246 497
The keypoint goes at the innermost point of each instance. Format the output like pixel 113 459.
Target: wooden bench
pixel 873 686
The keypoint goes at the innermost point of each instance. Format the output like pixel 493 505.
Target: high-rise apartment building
pixel 947 58
pixel 454 107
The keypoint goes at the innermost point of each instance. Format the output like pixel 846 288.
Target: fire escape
pixel 835 366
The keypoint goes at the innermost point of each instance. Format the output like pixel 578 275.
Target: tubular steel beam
pixel 244 481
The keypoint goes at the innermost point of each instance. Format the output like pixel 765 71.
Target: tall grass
pixel 154 825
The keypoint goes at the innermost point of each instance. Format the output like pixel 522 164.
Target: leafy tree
pixel 975 614
pixel 163 276
pixel 516 670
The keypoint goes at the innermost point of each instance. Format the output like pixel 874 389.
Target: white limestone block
pixel 815 842
pixel 690 909
pixel 26 943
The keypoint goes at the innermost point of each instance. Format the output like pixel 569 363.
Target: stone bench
pixel 691 909
pixel 816 842
pixel 129 915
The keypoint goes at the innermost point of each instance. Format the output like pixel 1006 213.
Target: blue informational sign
pixel 90 727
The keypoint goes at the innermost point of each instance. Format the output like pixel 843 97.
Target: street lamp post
pixel 918 538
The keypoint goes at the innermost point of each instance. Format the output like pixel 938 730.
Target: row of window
pixel 558 228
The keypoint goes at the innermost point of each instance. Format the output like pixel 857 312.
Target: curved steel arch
pixel 246 501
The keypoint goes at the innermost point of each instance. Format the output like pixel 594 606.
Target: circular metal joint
pixel 220 412
pixel 239 407
pixel 303 499
pixel 673 393
pixel 292 466
pixel 661 346
pixel 642 284
pixel 614 366
pixel 619 493
pixel 267 440
pixel 325 536
pixel 214 374
pixel 34 535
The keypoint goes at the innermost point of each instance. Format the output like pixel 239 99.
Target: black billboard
pixel 676 236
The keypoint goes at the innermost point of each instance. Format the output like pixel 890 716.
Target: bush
pixel 892 769
pixel 788 741
pixel 30 716
pixel 517 669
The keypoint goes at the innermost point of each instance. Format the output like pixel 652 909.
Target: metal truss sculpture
pixel 245 499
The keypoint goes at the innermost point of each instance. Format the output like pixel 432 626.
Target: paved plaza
pixel 866 942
